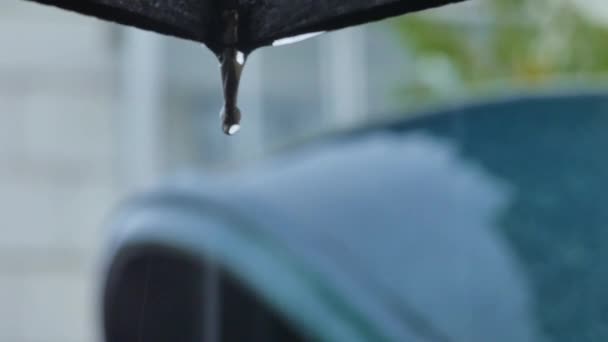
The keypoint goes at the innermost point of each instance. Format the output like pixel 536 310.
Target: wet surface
pixel 482 223
pixel 296 39
pixel 267 20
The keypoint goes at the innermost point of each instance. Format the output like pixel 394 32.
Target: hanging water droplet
pixel 234 129
pixel 296 39
pixel 231 120
pixel 232 64
pixel 240 57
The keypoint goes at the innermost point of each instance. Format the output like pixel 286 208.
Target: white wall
pixel 57 162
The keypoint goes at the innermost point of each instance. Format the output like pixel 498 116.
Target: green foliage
pixel 503 44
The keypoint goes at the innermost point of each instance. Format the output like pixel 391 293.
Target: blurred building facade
pixel 57 170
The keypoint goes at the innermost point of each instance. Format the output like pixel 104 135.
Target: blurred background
pixel 91 112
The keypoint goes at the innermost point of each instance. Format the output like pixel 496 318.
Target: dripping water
pixel 232 62
pixel 142 315
pixel 212 303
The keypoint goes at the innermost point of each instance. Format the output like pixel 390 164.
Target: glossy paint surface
pixel 480 223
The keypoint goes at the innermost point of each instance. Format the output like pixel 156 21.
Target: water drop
pixel 231 120
pixel 240 58
pixel 296 39
pixel 234 129
pixel 232 64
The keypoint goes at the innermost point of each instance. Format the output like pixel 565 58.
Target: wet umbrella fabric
pixel 261 21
